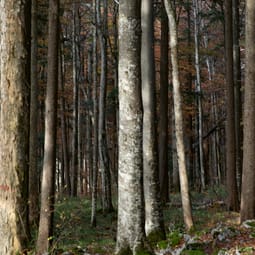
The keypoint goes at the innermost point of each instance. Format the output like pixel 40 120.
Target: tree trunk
pixel 237 91
pixel 232 201
pixel 199 95
pixel 248 178
pixel 14 129
pixel 75 54
pixel 130 233
pixel 95 115
pixel 61 80
pixel 49 162
pixel 154 225
pixel 104 164
pixel 178 117
pixel 163 109
pixel 33 136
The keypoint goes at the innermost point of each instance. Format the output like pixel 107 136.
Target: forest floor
pixel 216 230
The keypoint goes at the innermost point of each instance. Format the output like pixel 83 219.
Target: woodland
pixel 127 127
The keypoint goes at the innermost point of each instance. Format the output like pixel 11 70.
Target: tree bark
pixel 199 94
pixel 76 63
pixel 33 136
pixel 95 115
pixel 232 201
pixel 104 164
pixel 248 177
pixel 14 127
pixel 154 225
pixel 163 109
pixel 49 162
pixel 178 117
pixel 130 233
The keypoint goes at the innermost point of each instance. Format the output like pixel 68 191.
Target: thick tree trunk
pixel 248 177
pixel 49 162
pixel 33 137
pixel 14 129
pixel 154 225
pixel 178 117
pixel 232 201
pixel 130 233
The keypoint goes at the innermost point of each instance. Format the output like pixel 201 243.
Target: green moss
pixel 162 244
pixel 193 252
pixel 124 251
pixel 155 236
pixel 174 238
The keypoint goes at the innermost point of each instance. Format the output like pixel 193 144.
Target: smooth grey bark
pixel 231 181
pixel 199 93
pixel 187 214
pixel 154 224
pixel 49 161
pixel 104 164
pixel 95 116
pixel 130 226
pixel 248 177
pixel 163 109
pixel 14 125
pixel 33 130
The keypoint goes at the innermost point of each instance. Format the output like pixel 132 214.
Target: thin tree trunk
pixel 232 201
pixel 33 137
pixel 104 164
pixel 75 99
pixel 67 189
pixel 49 162
pixel 163 109
pixel 199 94
pixel 237 91
pixel 178 117
pixel 95 115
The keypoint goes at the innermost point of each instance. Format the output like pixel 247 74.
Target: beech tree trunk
pixel 248 177
pixel 154 225
pixel 49 161
pixel 14 127
pixel 130 232
pixel 178 117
